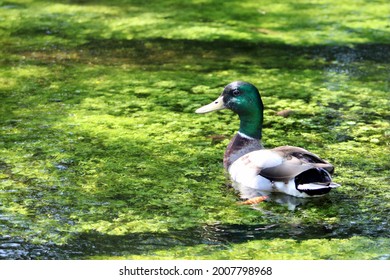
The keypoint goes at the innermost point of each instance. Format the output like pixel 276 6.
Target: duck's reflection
pixel 254 196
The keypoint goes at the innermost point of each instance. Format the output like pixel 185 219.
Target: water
pixel 84 246
pixel 103 157
pixel 346 62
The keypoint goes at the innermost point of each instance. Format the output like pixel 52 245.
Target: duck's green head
pixel 244 99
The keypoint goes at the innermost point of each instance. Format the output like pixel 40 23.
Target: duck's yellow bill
pixel 213 106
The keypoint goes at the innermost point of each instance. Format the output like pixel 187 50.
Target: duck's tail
pixel 315 181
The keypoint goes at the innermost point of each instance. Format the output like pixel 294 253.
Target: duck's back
pixel 304 156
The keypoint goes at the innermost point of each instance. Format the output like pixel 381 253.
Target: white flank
pixel 245 169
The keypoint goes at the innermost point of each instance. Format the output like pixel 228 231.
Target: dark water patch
pixel 213 55
pixel 370 52
pixel 18 250
pixel 85 245
pixel 11 5
pixel 266 55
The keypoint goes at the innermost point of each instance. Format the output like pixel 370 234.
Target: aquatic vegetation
pixel 100 144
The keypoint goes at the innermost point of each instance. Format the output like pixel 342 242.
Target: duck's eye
pixel 236 92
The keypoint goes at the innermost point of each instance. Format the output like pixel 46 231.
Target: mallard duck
pixel 286 169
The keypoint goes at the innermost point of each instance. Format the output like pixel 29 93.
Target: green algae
pixel 100 145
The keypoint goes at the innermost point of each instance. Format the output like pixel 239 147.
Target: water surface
pixel 102 156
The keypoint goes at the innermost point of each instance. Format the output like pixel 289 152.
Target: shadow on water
pixel 85 245
pixel 94 244
pixel 208 55
pixel 145 48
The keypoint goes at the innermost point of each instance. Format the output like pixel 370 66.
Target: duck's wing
pixel 295 161
pixel 304 156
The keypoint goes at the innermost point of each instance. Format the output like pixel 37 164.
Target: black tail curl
pixel 318 176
